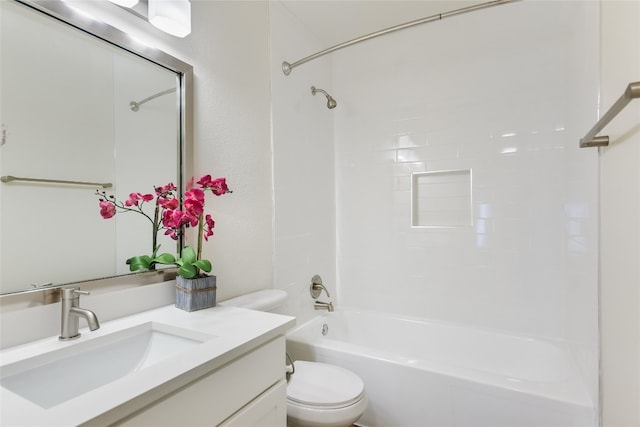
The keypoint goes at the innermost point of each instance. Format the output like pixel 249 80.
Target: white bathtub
pixel 423 373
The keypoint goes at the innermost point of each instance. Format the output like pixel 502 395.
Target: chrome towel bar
pixel 590 139
pixel 10 178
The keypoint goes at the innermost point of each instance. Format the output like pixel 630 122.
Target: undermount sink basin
pixel 57 376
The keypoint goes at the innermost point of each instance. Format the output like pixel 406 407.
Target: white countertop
pixel 236 330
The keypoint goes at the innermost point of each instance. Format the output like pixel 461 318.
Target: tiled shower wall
pixel 504 93
pixel 502 96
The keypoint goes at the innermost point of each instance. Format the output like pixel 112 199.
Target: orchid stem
pixel 200 229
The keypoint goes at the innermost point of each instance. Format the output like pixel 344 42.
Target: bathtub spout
pixel 320 305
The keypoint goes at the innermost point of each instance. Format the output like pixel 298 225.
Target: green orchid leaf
pixel 188 271
pixel 139 262
pixel 203 264
pixel 165 259
pixel 189 255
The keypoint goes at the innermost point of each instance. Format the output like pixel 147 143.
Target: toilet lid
pixel 323 385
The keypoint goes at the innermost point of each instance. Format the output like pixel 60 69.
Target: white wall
pixel 303 165
pixel 620 221
pixel 229 49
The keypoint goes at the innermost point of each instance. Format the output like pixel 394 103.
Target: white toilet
pixel 318 394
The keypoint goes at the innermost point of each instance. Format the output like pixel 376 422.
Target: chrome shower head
pixel 331 103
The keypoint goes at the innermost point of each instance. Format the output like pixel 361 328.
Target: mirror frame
pixel 68 16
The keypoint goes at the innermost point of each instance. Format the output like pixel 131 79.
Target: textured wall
pixel 620 225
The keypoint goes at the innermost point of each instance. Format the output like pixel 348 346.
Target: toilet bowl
pixel 323 395
pixel 318 394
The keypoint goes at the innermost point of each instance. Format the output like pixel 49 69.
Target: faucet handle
pixel 317 287
pixel 70 293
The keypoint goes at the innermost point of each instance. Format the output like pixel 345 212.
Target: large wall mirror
pixel 82 108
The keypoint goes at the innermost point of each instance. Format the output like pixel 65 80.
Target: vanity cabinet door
pixel 268 410
pixel 215 397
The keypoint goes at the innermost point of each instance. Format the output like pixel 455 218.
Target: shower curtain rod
pixel 287 67
pixel 135 106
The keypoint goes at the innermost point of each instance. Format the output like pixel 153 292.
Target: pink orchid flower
pixel 208 231
pixel 134 198
pixel 172 218
pixel 194 201
pixel 217 186
pixel 107 210
pixel 166 189
pixel 168 202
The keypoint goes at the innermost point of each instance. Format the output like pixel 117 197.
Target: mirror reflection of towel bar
pixel 10 178
pixel 135 106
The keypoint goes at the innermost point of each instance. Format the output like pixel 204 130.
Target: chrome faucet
pixel 316 289
pixel 71 313
pixel 321 305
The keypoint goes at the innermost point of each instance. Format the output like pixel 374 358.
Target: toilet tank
pixel 264 300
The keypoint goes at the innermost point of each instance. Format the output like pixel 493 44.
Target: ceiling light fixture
pixel 125 3
pixel 171 16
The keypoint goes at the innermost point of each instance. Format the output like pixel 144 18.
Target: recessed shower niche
pixel 441 199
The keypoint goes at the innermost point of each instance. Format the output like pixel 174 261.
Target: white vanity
pixel 163 367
